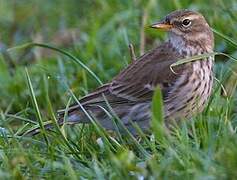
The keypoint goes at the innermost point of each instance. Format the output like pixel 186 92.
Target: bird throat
pixel 186 47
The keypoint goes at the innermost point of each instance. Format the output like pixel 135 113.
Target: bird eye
pixel 186 22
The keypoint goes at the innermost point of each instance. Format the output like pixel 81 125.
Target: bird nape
pixel 130 93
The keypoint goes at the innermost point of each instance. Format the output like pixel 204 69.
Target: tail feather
pixel 73 117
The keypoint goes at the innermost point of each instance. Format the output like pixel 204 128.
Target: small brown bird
pixel 130 93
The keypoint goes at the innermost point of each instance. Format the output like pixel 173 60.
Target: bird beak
pixel 162 25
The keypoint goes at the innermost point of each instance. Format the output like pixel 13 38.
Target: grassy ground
pixel 34 83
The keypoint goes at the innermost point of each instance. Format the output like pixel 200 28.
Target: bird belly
pixel 191 91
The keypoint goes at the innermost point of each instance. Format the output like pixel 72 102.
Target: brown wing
pixel 137 82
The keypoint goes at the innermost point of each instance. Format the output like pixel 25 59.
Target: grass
pixel 34 83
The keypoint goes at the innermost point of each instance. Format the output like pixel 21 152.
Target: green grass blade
pixel 119 124
pixel 225 37
pixel 36 107
pixel 54 120
pixel 75 59
pixel 97 126
pixel 200 57
pixel 157 123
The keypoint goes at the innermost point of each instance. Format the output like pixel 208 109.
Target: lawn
pixel 53 52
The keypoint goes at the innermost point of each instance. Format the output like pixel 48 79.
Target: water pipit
pixel 130 93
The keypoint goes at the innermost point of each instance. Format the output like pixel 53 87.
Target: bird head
pixel 188 26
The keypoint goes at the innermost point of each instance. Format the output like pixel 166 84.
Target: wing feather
pixel 137 82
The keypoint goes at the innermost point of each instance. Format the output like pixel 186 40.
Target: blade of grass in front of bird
pixel 113 117
pixel 193 58
pixel 113 121
pixel 97 126
pixel 93 121
pixel 36 107
pixel 55 123
pixel 200 57
pixel 157 122
pixel 144 137
pixel 117 121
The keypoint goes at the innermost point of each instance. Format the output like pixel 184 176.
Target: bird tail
pixel 73 117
